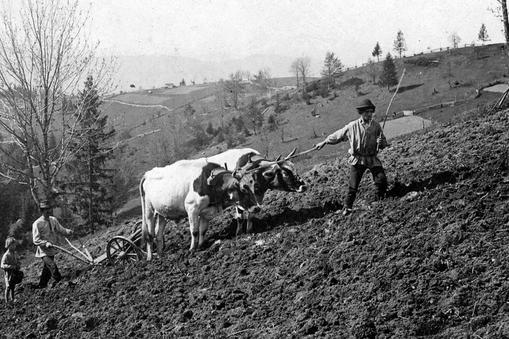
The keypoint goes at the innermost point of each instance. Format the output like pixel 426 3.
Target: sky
pixel 221 29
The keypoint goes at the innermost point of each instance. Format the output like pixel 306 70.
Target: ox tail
pixel 145 234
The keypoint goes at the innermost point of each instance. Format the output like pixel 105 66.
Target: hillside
pixel 436 86
pixel 429 261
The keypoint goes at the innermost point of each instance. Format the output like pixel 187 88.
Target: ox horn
pixel 292 153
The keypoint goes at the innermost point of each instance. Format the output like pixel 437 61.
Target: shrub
pixel 352 82
pixel 272 123
pixel 323 91
pixel 421 61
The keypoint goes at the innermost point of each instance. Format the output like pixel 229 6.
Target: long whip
pixel 395 92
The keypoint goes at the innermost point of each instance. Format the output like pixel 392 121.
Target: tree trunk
pixel 90 189
pixel 506 22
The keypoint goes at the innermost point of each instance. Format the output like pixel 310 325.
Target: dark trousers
pixel 50 270
pixel 356 173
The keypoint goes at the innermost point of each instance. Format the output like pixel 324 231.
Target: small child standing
pixel 10 265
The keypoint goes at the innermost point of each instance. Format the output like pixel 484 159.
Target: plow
pixel 119 250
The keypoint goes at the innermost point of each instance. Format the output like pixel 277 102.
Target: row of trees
pixel 400 45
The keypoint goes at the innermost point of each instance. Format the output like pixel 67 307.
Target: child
pixel 10 265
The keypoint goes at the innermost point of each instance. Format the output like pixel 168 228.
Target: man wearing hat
pixel 45 233
pixel 366 138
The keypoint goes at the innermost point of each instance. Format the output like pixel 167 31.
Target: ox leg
pixel 194 224
pixel 249 223
pixel 238 217
pixel 149 233
pixel 204 225
pixel 160 225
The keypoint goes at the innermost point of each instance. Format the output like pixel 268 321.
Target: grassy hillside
pixel 428 261
pixel 438 86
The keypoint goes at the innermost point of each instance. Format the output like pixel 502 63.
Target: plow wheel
pixel 122 250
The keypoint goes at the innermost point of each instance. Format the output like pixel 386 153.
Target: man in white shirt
pixel 45 233
pixel 366 139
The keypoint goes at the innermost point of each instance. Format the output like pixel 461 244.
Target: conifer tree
pixel 389 75
pixel 377 51
pixel 400 43
pixel 332 66
pixel 483 34
pixel 90 179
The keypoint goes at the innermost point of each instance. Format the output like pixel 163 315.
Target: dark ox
pixel 259 175
pixel 193 188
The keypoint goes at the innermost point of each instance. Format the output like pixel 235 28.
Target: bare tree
pixel 372 69
pixel 501 12
pixel 294 69
pixel 235 87
pixel 302 68
pixel 44 58
pixel 455 39
pixel 220 101
pixel 503 4
pixel 263 80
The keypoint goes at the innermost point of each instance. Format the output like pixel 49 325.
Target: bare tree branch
pixel 44 57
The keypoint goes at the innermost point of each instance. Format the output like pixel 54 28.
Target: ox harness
pixel 214 180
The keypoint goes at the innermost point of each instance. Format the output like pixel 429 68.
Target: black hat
pixel 365 104
pixel 44 205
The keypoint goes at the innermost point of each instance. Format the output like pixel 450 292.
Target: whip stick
pixel 302 153
pixel 395 92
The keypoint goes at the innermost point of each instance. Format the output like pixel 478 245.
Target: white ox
pixel 260 175
pixel 195 188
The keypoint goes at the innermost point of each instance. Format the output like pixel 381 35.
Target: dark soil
pixel 428 261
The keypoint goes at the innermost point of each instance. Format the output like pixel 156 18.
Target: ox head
pixel 278 174
pixel 234 192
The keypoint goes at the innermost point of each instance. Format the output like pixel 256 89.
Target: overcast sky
pixel 230 29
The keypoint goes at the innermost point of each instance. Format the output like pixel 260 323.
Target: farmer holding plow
pixel 45 233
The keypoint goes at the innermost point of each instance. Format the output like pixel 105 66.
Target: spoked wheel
pixel 122 250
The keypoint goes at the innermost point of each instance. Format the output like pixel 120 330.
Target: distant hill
pixel 150 71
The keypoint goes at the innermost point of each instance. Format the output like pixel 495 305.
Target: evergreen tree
pixel 90 180
pixel 198 132
pixel 483 34
pixel 210 129
pixel 254 115
pixel 389 76
pixel 400 43
pixel 272 123
pixel 189 111
pixel 377 51
pixel 332 66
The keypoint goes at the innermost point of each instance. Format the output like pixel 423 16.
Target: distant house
pixel 169 85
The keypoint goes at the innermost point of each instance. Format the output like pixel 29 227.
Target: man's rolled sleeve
pixel 338 136
pixel 36 236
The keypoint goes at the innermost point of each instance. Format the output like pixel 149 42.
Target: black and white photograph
pixel 254 169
